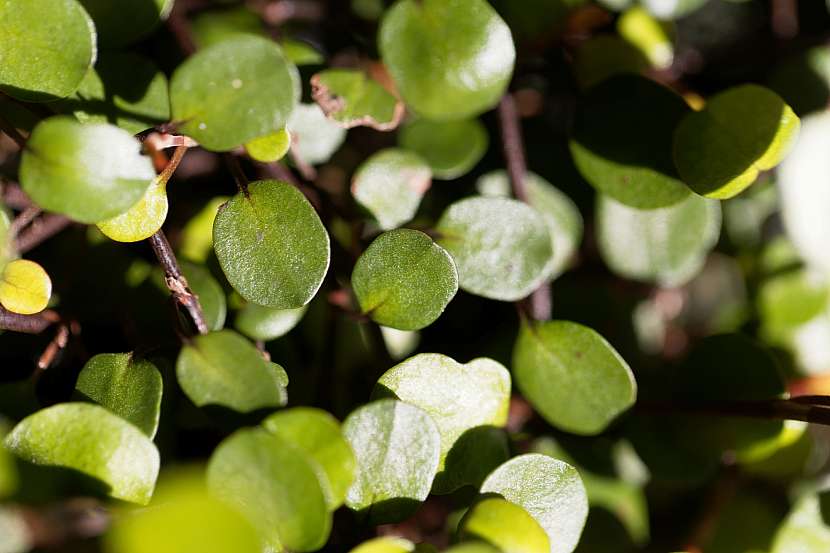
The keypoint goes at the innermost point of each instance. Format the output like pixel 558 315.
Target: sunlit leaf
pixel 651 36
pixel 273 485
pixel 271 245
pixel 404 280
pixel 89 172
pixel 269 148
pixel 451 148
pixel 25 287
pixel 93 441
pixel 353 99
pixel 267 323
pixel 143 219
pixel 120 23
pixel 450 60
pixel 314 136
pixel 128 386
pixel 385 544
pixel 805 529
pixel 390 185
pixel 502 247
pixel 46 46
pixel 223 368
pixel 197 234
pixel 505 525
pixel 572 376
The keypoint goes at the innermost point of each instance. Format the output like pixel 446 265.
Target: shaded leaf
pixel 214 26
pixel 451 148
pixel 352 99
pixel 505 525
pixel 120 23
pixel 301 53
pixel 267 323
pixel 25 287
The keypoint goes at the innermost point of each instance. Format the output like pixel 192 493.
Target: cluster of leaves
pixel 343 262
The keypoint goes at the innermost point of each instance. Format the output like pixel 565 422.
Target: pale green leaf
pixel 197 234
pixel 505 525
pixel 267 323
pixel 385 544
pixel 314 136
pixel 353 99
pixel 805 530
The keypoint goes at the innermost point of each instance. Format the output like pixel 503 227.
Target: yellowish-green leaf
pixel 143 219
pixel 505 525
pixel 25 287
pixel 271 147
pixel 197 234
pixel 651 36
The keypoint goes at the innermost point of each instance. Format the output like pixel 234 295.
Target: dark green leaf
pixel 267 323
pixel 451 148
pixel 210 293
pixel 352 99
pixel 214 26
pixel 120 23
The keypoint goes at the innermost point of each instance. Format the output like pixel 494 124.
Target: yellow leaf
pixel 143 219
pixel 271 147
pixel 25 287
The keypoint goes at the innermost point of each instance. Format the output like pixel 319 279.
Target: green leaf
pixel 451 148
pixel 572 376
pixel 8 469
pixel 233 92
pixel 603 56
pixel 123 22
pixel 223 368
pixel 318 435
pixel 300 53
pixel 622 141
pixel 560 213
pixel 473 547
pixel 267 323
pixel 314 136
pixel 649 35
pixel 397 447
pixel 805 530
pixel 271 245
pixel 210 293
pixel 390 185
pixel 129 387
pixel 673 10
pixel 271 147
pixel 505 525
pixel 502 247
pixel 744 130
pixel 385 544
pixel 25 287
pixel 404 280
pixel 667 246
pixel 353 99
pixel 92 441
pixel 269 481
pixel 46 46
pixel 143 219
pixel 214 26
pixel 450 60
pixel 459 397
pixel 550 490
pixel 197 234
pixel 87 172
pixel 183 517
pixel 124 89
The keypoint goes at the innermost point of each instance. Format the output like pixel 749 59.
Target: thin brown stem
pixel 171 166
pixel 28 324
pixel 25 217
pixel 40 230
pixel 238 174
pixel 14 197
pixel 55 346
pixel 777 409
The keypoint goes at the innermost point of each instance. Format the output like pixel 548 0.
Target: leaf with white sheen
pixel 223 368
pixel 390 185
pixel 46 46
pixel 270 482
pixel 87 172
pixel 317 434
pixel 314 136
pixel 805 530
pixel 271 245
pixel 233 92
pixel 404 280
pixel 740 132
pixel 129 387
pixel 451 148
pixel 502 247
pixel 450 59
pixel 572 376
pixel 353 99
pixel 91 440
pixel 397 447
pixel 505 525
pixel 550 490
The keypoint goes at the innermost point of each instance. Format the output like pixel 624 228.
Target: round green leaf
pixel 397 447
pixel 572 376
pixel 271 147
pixel 385 544
pixel 272 484
pixel 123 88
pixel 451 148
pixel 301 53
pixel 184 517
pixel 120 23
pixel 720 150
pixel 505 525
pixel 622 141
pixel 314 136
pixel 560 213
pixel 450 59
pixel 352 99
pixel 404 280
pixel 390 185
pixel 549 490
pixel 210 293
pixel 317 434
pixel 129 387
pixel 46 46
pixel 223 368
pixel 459 397
pixel 271 245
pixel 214 26
pixel 805 529
pixel 267 323
pixel 502 247
pixel 197 234
pixel 93 441
pixel 666 245
pixel 233 92
pixel 87 172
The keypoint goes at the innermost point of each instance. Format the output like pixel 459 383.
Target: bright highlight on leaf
pixel 385 544
pixel 271 147
pixel 720 150
pixel 89 173
pixel 353 99
pixel 572 376
pixel 143 219
pixel 651 36
pixel 449 59
pixel 93 441
pixel 25 287
pixel 404 280
pixel 451 148
pixel 314 136
pixel 505 525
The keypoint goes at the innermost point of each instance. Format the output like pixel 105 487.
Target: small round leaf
pixel 143 219
pixel 271 245
pixel 267 323
pixel 352 99
pixel 25 287
pixel 404 280
pixel 572 376
pixel 505 525
pixel 120 23
pixel 93 441
pixel 314 136
pixel 269 148
pixel 451 148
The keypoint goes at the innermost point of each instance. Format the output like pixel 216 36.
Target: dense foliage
pixel 519 276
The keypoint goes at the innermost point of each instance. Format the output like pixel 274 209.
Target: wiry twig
pixel 57 525
pixel 28 324
pixel 40 230
pixel 25 217
pixel 57 345
pixel 12 133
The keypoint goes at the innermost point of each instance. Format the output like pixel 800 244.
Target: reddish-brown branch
pixel 40 230
pixel 12 133
pixel 57 345
pixel 14 197
pixel 25 217
pixel 28 324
